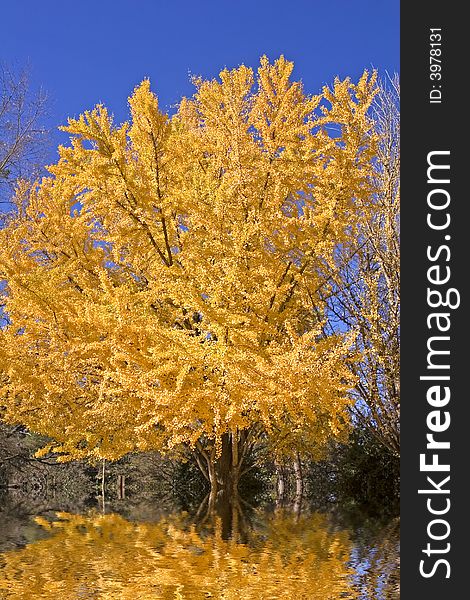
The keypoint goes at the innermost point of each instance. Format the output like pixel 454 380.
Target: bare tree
pixel 23 136
pixel 363 286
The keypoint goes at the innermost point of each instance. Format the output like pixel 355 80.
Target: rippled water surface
pixel 239 552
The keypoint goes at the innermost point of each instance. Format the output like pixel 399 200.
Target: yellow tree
pixel 157 281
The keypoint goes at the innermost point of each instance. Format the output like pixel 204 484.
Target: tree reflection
pixel 106 556
pixel 377 561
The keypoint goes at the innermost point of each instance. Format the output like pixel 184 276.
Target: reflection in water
pixel 376 563
pixel 268 556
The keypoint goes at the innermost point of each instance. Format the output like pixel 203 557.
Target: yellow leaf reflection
pixel 108 557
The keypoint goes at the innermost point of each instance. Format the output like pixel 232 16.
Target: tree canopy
pixel 161 285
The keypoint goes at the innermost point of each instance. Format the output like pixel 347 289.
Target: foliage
pixel 162 284
pixel 363 285
pixel 362 475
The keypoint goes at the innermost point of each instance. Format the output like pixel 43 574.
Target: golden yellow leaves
pixel 163 282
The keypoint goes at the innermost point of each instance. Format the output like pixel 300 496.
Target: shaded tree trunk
pixel 223 472
pixel 227 467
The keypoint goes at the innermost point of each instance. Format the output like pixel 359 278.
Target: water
pixel 227 552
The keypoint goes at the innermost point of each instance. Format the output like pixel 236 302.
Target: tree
pixel 363 284
pixel 22 135
pixel 157 281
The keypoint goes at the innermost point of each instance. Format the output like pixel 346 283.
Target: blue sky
pixel 85 52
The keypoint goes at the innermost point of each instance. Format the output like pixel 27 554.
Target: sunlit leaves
pixel 162 283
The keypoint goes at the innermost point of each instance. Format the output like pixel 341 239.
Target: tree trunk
pixel 213 480
pixel 281 483
pixel 299 486
pixel 224 472
pixel 299 480
pixel 227 466
pixel 103 480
